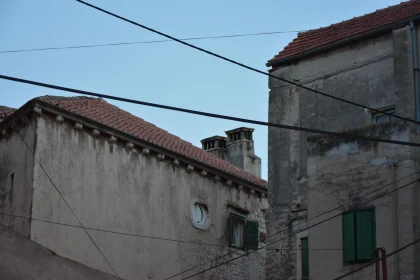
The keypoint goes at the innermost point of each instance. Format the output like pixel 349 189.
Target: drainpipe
pixel 396 224
pixel 415 68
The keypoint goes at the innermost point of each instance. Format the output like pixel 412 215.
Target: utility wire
pixel 317 216
pixel 152 237
pixel 246 66
pixel 293 234
pixel 150 42
pixel 369 264
pixel 394 262
pixel 311 130
pixel 65 201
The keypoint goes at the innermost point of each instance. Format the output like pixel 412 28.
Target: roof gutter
pixel 342 42
pixel 126 137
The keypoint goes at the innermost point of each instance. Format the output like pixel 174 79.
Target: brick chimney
pixel 237 148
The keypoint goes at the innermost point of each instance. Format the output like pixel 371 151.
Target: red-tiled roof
pixel 326 35
pixel 101 111
pixel 5 111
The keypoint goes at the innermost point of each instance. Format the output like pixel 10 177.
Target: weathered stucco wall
pixel 112 188
pixel 22 259
pixel 346 172
pixel 16 174
pixel 376 72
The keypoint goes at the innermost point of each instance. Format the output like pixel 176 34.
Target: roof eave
pixel 339 43
pixel 125 136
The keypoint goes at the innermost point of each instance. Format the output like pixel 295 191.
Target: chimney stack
pixel 237 148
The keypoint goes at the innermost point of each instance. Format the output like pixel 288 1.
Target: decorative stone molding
pixel 229 182
pixel 96 132
pixel 134 151
pixel 129 145
pixel 78 126
pixel 203 173
pixel 37 111
pixel 216 178
pixel 145 151
pixel 112 139
pixel 190 168
pixel 59 118
pixel 251 191
pixel 175 162
pixel 240 187
pixel 263 195
pixel 161 156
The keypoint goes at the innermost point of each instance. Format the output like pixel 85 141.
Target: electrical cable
pixel 317 216
pixel 246 66
pixel 369 264
pixel 65 201
pixel 311 130
pixel 293 234
pixel 394 262
pixel 150 42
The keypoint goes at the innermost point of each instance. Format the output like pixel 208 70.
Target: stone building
pixel 120 173
pixel 371 60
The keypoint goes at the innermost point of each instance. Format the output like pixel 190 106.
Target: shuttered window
pixel 242 233
pixel 359 236
pixel 305 258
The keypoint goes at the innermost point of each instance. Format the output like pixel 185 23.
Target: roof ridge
pixel 117 118
pixel 357 25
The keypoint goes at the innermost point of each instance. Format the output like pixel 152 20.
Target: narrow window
pixel 359 236
pixel 305 258
pixel 243 233
pixel 236 231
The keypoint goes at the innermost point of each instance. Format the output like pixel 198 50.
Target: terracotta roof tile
pixel 318 37
pixel 101 111
pixel 5 111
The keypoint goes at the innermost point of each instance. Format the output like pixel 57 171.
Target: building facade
pixel 371 60
pixel 167 205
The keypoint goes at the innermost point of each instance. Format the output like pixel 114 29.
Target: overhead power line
pixel 394 262
pixel 246 66
pixel 289 127
pixel 370 263
pixel 293 234
pixel 293 226
pixel 150 237
pixel 65 201
pixel 298 224
pixel 150 42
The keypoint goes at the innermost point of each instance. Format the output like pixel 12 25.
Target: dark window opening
pixel 243 233
pixel 304 258
pixel 382 118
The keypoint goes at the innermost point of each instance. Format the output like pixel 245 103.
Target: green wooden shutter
pixel 365 234
pixel 230 228
pixel 349 237
pixel 252 235
pixel 305 258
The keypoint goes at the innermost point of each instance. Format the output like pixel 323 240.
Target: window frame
pixel 356 259
pixel 230 229
pixel 388 109
pixel 250 227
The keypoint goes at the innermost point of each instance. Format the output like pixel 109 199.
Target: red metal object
pixel 384 266
pixel 381 255
pixel 377 264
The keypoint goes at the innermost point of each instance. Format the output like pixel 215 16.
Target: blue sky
pixel 167 73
